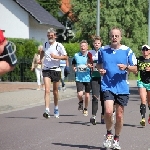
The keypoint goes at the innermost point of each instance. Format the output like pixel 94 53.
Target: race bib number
pixel 82 68
pixel 94 67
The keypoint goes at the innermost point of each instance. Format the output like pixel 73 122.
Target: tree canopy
pixel 130 15
pixel 52 6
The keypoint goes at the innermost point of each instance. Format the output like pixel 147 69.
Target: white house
pixel 26 19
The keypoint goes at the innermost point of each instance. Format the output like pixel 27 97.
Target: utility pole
pixel 98 18
pixel 149 23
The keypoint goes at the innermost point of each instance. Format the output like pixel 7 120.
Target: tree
pixel 131 16
pixel 52 6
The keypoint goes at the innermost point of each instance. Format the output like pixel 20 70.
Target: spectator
pixel 37 66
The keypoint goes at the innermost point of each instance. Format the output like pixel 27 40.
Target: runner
pixel 8 58
pixel 96 81
pixel 143 82
pixel 53 52
pixel 82 76
pixel 112 64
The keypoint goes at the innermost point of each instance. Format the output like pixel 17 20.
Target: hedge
pixel 26 48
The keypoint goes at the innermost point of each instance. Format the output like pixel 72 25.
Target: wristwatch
pixel 126 68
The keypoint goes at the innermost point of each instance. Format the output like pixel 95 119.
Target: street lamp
pixel 98 18
pixel 149 23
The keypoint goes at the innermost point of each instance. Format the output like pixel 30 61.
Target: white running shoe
pixel 107 141
pixel 116 145
pixel 114 113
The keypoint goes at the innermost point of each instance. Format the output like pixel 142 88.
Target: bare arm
pixel 41 55
pixel 128 68
pixel 65 57
pixel 67 62
pixel 99 66
pixel 132 69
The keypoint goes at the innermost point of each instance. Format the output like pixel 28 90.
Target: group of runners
pixel 102 70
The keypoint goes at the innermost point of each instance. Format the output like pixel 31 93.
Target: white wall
pixel 37 31
pixel 13 19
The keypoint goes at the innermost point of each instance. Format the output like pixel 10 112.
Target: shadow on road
pixel 22 117
pixel 78 146
pixel 129 125
pixel 77 122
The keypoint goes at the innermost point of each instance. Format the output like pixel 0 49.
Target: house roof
pixel 39 13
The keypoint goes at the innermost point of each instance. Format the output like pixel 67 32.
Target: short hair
pixel 116 28
pixel 97 38
pixel 51 30
pixel 83 41
pixel 40 47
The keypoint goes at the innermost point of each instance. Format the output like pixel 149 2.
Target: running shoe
pixel 143 122
pixel 93 120
pixel 80 107
pixel 56 113
pixel 102 119
pixel 114 113
pixel 85 112
pixel 107 141
pixel 64 89
pixel 46 114
pixel 116 145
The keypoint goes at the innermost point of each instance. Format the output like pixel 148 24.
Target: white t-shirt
pixel 56 49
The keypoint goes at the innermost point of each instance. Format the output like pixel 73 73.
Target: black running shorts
pixel 121 99
pixel 81 85
pixel 55 76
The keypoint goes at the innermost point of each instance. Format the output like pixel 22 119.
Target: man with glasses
pixel 113 62
pixel 8 57
pixel 53 52
pixel 143 82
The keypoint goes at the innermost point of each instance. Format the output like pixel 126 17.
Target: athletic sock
pixel 47 109
pixel 56 107
pixel 109 131
pixel 116 137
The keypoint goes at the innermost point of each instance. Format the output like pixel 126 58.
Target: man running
pixel 82 76
pixel 113 62
pixel 143 82
pixel 8 58
pixel 53 52
pixel 96 81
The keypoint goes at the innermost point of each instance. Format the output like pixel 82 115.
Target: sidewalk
pixel 19 95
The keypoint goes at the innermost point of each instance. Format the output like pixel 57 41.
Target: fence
pixel 23 73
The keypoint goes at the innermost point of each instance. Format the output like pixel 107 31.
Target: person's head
pixel 83 46
pixel 115 35
pixel 2 41
pixel 146 50
pixel 97 41
pixel 40 48
pixel 51 34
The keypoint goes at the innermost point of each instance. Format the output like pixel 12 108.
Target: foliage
pixel 52 6
pixel 25 50
pixel 131 16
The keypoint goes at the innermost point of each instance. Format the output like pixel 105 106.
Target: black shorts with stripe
pixel 55 76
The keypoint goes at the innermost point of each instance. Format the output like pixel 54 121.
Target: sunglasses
pixel 145 49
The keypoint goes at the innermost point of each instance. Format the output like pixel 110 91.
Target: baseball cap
pixel 145 47
pixel 2 38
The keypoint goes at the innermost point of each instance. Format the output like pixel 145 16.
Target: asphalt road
pixel 26 129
